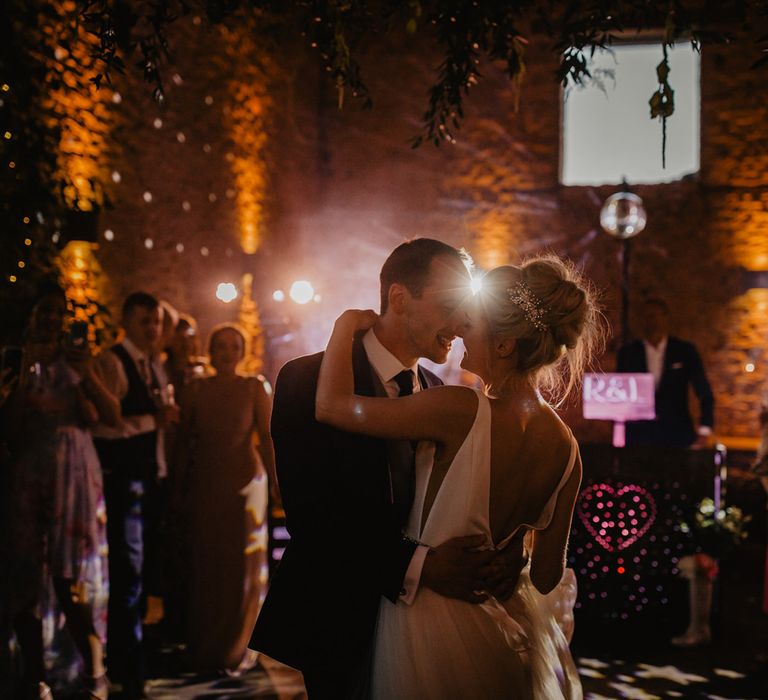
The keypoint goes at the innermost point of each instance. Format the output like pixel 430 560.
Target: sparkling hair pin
pixel 533 310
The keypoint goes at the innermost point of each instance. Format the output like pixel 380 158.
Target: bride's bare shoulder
pixel 547 433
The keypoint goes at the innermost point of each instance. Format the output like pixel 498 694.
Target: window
pixel 607 131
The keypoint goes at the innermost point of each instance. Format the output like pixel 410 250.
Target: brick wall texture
pixel 344 187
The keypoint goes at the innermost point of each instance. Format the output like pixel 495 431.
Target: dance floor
pixel 666 673
pixel 613 665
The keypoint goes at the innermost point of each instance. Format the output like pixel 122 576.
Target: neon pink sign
pixel 619 396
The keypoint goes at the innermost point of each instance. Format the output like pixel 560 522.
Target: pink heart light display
pixel 616 518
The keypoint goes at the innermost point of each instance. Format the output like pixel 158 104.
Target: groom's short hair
pixel 408 264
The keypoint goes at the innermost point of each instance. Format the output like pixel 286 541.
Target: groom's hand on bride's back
pixel 458 568
pixel 505 569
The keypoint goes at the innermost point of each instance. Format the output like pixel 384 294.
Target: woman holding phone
pixel 57 521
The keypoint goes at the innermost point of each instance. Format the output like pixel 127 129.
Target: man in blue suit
pixel 675 365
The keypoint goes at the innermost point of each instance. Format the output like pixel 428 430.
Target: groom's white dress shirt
pixel 387 367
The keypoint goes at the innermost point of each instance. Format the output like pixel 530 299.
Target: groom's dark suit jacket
pixel 345 522
pixel 682 368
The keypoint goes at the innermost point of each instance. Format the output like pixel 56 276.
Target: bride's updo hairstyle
pixel 551 311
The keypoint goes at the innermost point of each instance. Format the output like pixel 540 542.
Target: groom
pixel 347 497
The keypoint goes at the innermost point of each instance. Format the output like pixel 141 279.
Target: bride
pixel 505 464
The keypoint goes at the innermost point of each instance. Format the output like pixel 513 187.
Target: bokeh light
pixel 302 291
pixel 226 292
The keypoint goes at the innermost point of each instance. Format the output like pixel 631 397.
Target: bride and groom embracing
pixel 429 528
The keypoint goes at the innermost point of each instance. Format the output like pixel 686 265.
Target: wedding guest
pixel 170 320
pixel 134 467
pixel 157 544
pixel 56 517
pixel 675 365
pixel 227 481
pixel 182 362
pixel 182 365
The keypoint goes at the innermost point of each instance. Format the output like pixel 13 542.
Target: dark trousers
pixel 324 683
pixel 125 533
pixel 155 518
pixel 340 676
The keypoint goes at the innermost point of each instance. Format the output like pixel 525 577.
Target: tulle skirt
pixel 443 648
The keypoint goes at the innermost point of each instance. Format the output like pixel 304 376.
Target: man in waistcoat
pixel 133 461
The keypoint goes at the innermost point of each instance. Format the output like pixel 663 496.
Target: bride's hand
pixel 354 320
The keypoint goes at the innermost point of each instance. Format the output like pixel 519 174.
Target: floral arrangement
pixel 716 530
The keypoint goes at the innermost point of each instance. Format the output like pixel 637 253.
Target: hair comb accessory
pixel 533 310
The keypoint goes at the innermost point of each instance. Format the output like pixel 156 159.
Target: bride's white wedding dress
pixel 443 648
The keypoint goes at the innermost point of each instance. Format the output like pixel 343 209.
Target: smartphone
pixel 78 335
pixel 11 358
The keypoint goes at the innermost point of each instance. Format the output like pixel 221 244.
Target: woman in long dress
pixel 223 471
pixel 56 526
pixel 505 464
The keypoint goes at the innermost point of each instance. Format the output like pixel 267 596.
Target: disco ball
pixel 623 215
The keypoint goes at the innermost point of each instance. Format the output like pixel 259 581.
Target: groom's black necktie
pixel 403 473
pixel 404 381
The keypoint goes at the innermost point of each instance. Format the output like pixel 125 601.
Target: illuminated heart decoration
pixel 616 518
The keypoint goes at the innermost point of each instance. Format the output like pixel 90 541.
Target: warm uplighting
pixel 247 120
pixel 84 285
pixel 494 236
pixel 302 292
pixel 250 321
pixel 226 292
pixel 278 295
pixel 80 113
